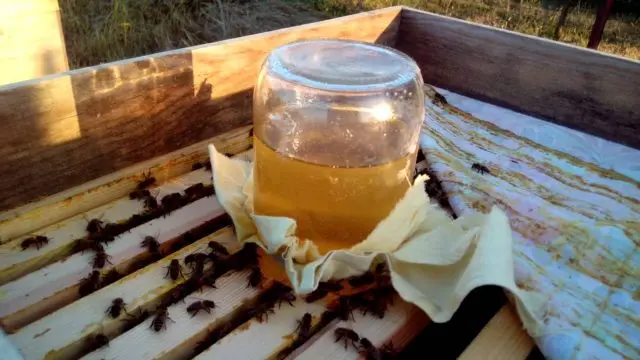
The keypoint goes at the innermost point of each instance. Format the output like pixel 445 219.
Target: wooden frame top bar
pixel 67 129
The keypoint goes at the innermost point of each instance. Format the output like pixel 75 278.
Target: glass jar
pixel 336 128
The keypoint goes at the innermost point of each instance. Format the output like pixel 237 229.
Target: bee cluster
pixel 370 293
pixel 198 270
pixel 100 234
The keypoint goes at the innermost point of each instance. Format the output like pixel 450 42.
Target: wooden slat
pixel 37 294
pixel 578 88
pixel 101 191
pixel 32 41
pixel 68 129
pixel 502 338
pixel 15 262
pixel 267 338
pixel 180 337
pixel 401 323
pixel 61 334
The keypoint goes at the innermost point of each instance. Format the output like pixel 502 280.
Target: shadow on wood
pixel 64 130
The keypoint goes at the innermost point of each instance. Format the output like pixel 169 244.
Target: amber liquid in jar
pixel 336 207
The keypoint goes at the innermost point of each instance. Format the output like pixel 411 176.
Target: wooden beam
pixel 61 335
pixel 574 87
pixel 502 338
pixel 401 323
pixel 68 129
pixel 32 40
pixel 51 210
pixel 14 262
pixel 54 286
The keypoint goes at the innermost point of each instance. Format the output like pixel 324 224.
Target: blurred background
pixel 98 31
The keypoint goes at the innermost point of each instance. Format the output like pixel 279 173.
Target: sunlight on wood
pixel 31 40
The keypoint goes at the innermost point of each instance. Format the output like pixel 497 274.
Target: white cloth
pixel 434 261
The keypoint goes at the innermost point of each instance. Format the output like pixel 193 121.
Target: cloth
pixel 573 202
pixel 434 261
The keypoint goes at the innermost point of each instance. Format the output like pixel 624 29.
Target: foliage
pixel 99 31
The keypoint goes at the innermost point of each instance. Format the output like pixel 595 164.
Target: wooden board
pixel 267 338
pixel 402 323
pixel 51 210
pixel 71 128
pixel 31 40
pixel 502 338
pixel 85 317
pixel 578 88
pixel 68 129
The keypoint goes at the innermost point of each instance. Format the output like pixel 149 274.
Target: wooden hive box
pixel 74 145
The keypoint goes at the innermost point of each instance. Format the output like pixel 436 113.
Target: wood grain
pixel 87 196
pixel 502 338
pixel 71 325
pixel 401 323
pixel 31 40
pixel 267 338
pixel 578 88
pixel 48 289
pixel 14 262
pixel 71 128
pixel 177 341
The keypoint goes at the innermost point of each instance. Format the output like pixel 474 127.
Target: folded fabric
pixel 434 261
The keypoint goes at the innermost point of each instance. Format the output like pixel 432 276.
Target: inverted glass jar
pixel 336 127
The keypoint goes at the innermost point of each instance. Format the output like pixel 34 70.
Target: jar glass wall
pixel 336 127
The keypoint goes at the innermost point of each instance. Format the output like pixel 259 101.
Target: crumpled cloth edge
pixel 430 267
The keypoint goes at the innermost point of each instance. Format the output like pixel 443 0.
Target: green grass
pixel 98 31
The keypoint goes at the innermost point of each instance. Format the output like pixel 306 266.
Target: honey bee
pixel 261 311
pixel 171 202
pixel 481 169
pixel 287 297
pixel 100 259
pixel 345 308
pixel 196 262
pixel 139 194
pixel 95 226
pixel 152 245
pixel 159 322
pixel 110 277
pixel 304 325
pixel 203 305
pixel 90 284
pixel 369 351
pixel 316 295
pixel 255 277
pixel 150 203
pixel 347 336
pixel 174 270
pixel 218 249
pixel 439 99
pixel 117 306
pixel 38 241
pixel 194 191
pixel 361 280
pixel 146 181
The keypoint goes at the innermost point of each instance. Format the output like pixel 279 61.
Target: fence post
pixel 604 11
